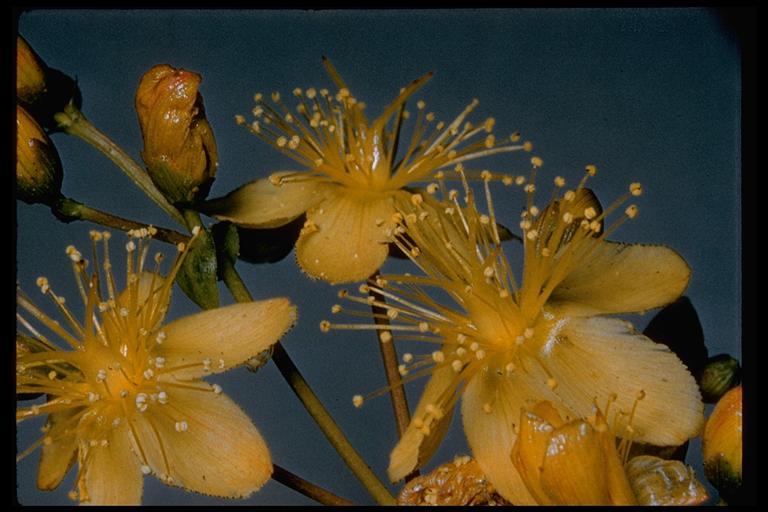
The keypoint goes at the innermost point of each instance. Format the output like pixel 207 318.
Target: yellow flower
pixel 38 167
pixel 179 147
pixel 125 395
pixel 722 445
pixel 501 345
pixel 354 179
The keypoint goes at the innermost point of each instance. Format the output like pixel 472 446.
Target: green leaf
pixel 197 276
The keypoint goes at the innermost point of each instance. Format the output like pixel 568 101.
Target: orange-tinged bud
pixel 179 147
pixel 30 72
pixel 573 463
pixel 38 168
pixel 722 446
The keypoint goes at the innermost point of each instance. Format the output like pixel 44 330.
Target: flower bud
pixel 721 373
pixel 30 73
pixel 38 168
pixel 722 446
pixel 179 147
pixel 42 90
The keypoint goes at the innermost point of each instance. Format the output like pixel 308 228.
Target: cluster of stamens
pixel 331 136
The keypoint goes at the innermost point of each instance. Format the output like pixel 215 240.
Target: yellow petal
pixel 57 457
pixel 490 410
pixel 112 473
pixel 219 339
pixel 204 442
pixel 622 278
pixel 262 204
pixel 414 448
pixel 592 358
pixel 528 452
pixel 574 471
pixel 346 239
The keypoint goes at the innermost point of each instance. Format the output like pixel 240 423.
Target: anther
pixel 457 365
pixel 148 374
pixel 635 189
pixel 336 308
pixel 101 375
pixel 357 401
pixel 590 213
pixel 159 362
pixel 480 354
pixel 145 469
pixel 325 326
pixel 402 370
pixel 551 383
pixel 52 375
pixel 438 356
pixel 509 368
pixel 162 397
pixel 536 161
pixel 631 211
pixel 423 327
pixel 385 336
pixel 559 181
pixel 591 170
pixel 487 409
pixel 181 426
pixel 141 402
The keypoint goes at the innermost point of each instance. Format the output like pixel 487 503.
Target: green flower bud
pixel 721 373
pixel 179 146
pixel 38 167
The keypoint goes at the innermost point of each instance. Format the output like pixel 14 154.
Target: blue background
pixel 649 95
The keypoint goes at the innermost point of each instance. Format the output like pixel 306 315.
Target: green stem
pixel 73 122
pixel 311 402
pixel 68 210
pixel 308 489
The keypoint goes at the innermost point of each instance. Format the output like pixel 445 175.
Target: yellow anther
pixel 490 141
pixel 239 119
pixel 631 211
pixel 515 137
pixel 457 365
pixel 528 146
pixel 407 357
pixel 438 356
pixel 357 401
pixel 536 161
pixel 635 189
pixel 336 308
pixel 590 213
pixel 591 170
pixel 325 326
pixel 385 336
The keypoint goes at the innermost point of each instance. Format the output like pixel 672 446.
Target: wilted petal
pixel 217 340
pixel 112 472
pixel 529 449
pixel 345 239
pixel 414 448
pixel 264 204
pixel 622 278
pixel 56 458
pixel 205 443
pixel 593 358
